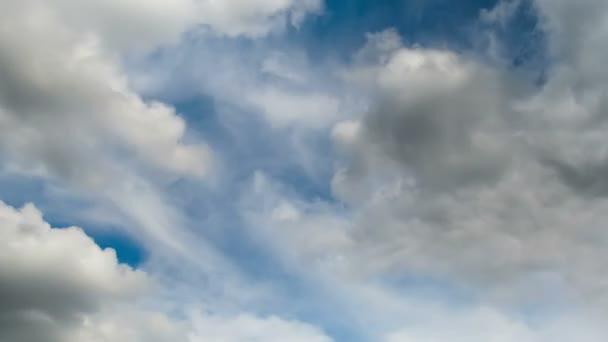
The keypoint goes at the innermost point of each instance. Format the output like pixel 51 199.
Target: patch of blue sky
pixel 128 250
pixel 342 29
pixel 455 25
pixel 63 209
pixel 19 189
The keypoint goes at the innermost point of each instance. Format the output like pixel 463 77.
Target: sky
pixel 303 171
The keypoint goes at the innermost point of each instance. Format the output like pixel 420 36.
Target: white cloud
pixel 140 326
pixel 283 108
pixel 66 106
pixel 50 278
pixel 58 285
pixel 304 235
pixel 244 327
pixel 488 325
pixel 256 18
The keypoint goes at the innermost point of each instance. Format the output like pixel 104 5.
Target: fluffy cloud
pixel 66 107
pixel 569 126
pixel 50 278
pixel 462 173
pixel 68 112
pixel 255 18
pixel 454 172
pixel 140 326
pixel 437 115
pixel 283 85
pixel 58 285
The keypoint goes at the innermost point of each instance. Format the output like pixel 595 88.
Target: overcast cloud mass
pixel 303 171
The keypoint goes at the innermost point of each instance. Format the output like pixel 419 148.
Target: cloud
pixel 256 18
pixel 69 114
pixel 436 114
pixel 282 85
pixel 246 327
pixel 58 285
pixel 140 326
pixel 468 276
pixel 461 173
pixel 50 278
pixel 486 324
pixel 570 122
pixel 453 172
pixel 66 107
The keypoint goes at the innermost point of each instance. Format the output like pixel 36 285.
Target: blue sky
pixel 303 170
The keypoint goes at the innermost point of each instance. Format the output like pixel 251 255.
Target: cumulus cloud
pixel 56 284
pixel 456 170
pixel 465 174
pixel 50 278
pixel 66 107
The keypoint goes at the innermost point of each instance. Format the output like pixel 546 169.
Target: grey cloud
pixel 458 172
pixel 444 119
pixel 587 180
pixel 50 278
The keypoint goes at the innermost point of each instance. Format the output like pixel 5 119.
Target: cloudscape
pixel 303 170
